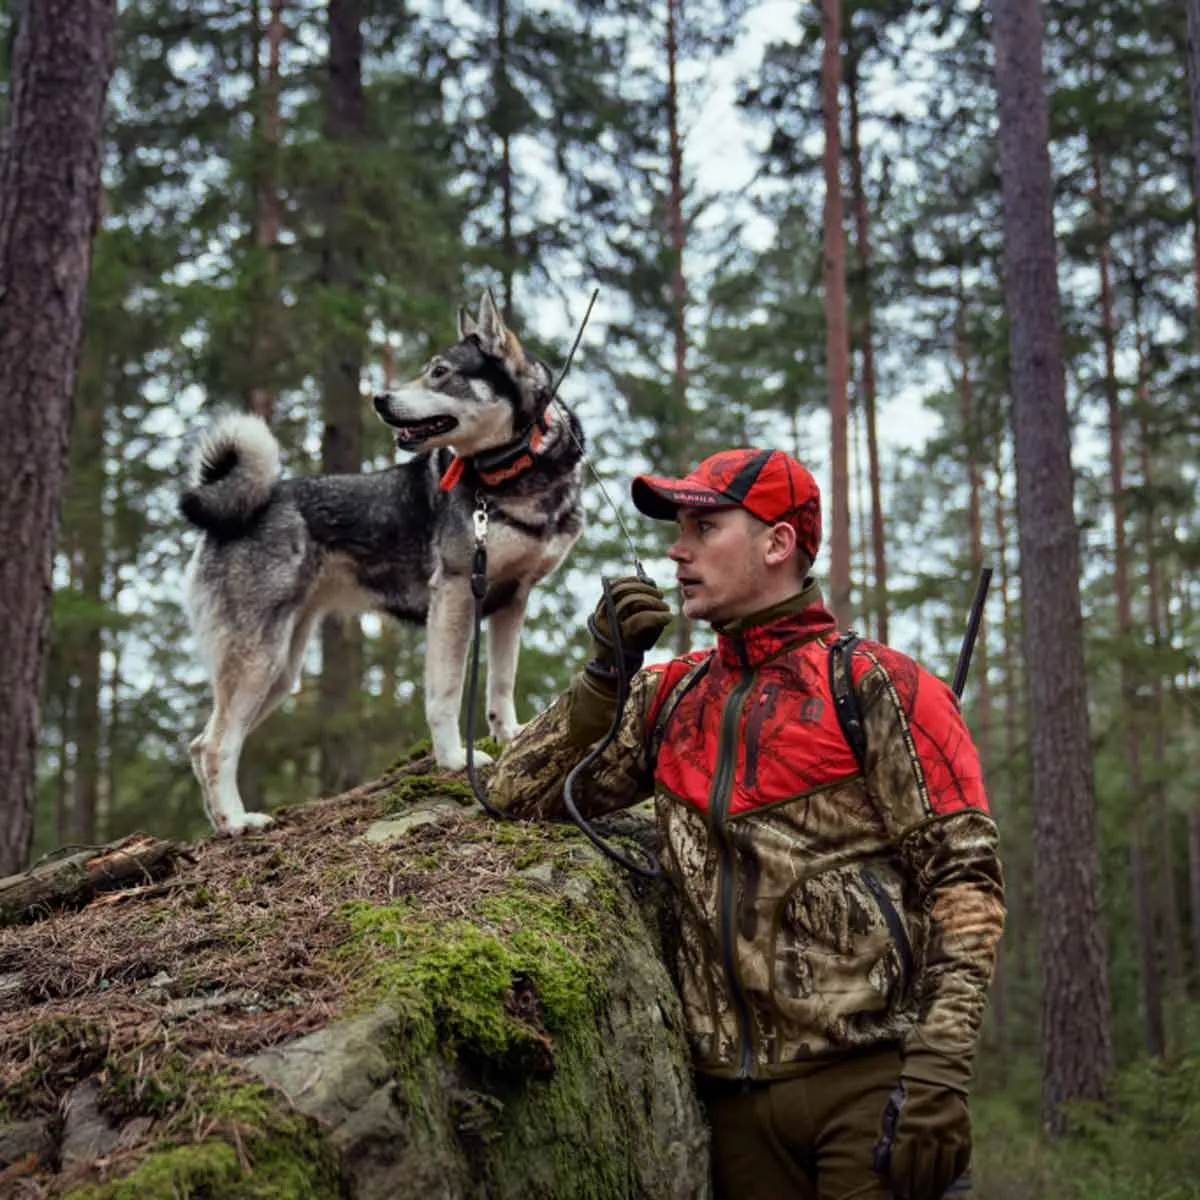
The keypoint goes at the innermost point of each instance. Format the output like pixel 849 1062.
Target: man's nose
pixel 676 551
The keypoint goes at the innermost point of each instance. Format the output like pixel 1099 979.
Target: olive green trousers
pixel 807 1138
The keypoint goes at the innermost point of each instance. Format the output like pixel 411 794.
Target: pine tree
pixel 1076 1034
pixel 49 203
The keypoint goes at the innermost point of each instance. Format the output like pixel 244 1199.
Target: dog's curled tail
pixel 231 474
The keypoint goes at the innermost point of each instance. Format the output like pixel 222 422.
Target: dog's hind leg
pixel 504 645
pixel 448 636
pixel 289 675
pixel 247 684
pixel 196 753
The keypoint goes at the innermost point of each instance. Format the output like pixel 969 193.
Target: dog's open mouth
pixel 411 432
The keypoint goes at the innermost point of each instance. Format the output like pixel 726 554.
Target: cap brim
pixel 661 499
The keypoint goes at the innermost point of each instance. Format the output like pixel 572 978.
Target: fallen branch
pixel 73 881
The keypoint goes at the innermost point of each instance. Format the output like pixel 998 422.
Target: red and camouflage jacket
pixel 823 907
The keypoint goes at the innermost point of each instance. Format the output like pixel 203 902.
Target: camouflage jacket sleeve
pixel 529 776
pixel 924 775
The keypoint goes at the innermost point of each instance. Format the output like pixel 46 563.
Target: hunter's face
pixel 720 558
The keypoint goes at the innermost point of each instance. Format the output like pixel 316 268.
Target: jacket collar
pixel 752 640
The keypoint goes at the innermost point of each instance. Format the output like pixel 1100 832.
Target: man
pixel 838 921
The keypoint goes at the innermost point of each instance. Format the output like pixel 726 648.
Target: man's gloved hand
pixel 642 615
pixel 926 1139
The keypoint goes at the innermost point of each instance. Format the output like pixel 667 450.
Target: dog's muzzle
pixel 412 431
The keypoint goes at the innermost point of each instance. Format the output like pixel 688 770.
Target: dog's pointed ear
pixel 466 324
pixel 493 334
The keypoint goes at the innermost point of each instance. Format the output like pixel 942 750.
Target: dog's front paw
pixel 456 759
pixel 249 822
pixel 506 732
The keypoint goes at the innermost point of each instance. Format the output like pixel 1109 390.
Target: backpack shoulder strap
pixel 845 697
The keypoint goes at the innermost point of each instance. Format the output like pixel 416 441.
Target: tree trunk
pixel 62 775
pixel 1077 1054
pixel 1193 70
pixel 266 218
pixel 1163 818
pixel 67 883
pixel 982 688
pixel 88 511
pixel 504 122
pixel 1016 941
pixel 114 731
pixel 860 559
pixel 49 185
pixel 1193 826
pixel 866 339
pixel 342 754
pixel 682 433
pixel 1143 900
pixel 836 344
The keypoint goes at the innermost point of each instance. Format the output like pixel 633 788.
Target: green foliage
pixel 1148 1144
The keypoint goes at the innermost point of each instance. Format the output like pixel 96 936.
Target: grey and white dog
pixel 278 554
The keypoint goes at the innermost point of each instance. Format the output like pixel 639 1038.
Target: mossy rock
pixel 488 1016
pixel 533 1047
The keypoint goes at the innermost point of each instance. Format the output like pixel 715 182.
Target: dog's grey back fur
pixel 269 540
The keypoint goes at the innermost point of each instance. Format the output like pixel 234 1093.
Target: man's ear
pixel 781 543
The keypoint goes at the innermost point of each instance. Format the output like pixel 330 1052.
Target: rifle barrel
pixel 973 622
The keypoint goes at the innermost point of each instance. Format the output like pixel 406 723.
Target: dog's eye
pixel 438 371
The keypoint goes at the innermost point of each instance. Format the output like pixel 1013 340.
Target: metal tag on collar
pixel 481 520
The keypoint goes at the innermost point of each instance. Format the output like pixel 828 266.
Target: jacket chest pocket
pixel 841 945
pixel 752 735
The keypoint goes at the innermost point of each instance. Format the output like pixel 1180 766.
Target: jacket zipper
pixel 718 807
pixel 892 919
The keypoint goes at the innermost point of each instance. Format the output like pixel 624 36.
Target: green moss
pixel 455 981
pixel 424 746
pixel 59 1053
pixel 284 1156
pixel 566 1136
pixel 410 789
pixel 127 1092
pixel 544 1117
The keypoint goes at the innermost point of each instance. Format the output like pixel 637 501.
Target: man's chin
pixel 697 609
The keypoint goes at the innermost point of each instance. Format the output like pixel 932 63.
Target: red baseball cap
pixel 768 484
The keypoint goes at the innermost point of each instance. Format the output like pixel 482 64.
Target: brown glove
pixel 642 614
pixel 926 1137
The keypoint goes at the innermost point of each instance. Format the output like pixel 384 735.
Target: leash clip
pixel 481 520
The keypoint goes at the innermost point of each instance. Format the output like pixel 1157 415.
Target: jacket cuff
pixel 590 709
pixel 928 1066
